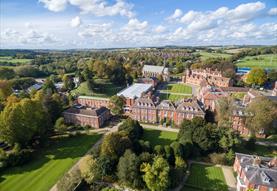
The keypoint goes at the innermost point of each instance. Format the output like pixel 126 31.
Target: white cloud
pixel 160 29
pixel 96 30
pixel 135 25
pixel 75 22
pixel 190 16
pixel 177 13
pixel 273 11
pixel 54 5
pixel 95 7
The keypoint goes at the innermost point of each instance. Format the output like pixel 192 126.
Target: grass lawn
pixel 157 137
pixel 172 97
pixel 208 177
pixel 48 166
pixel 14 60
pixel 106 89
pixel 263 61
pixel 206 55
pixel 177 88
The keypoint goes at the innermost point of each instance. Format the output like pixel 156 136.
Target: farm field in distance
pixel 158 137
pixel 262 61
pixel 49 164
pixel 14 60
pixel 208 177
pixel 206 55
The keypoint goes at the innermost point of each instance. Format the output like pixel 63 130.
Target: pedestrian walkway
pixel 229 177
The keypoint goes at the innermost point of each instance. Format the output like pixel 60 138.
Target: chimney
pixel 273 162
pixel 257 161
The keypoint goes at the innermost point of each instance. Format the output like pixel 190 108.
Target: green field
pixel 177 88
pixel 157 137
pixel 262 61
pixel 172 97
pixel 208 177
pixel 48 166
pixel 206 55
pixel 14 60
pixel 106 89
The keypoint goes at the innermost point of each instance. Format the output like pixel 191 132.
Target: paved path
pixel 103 131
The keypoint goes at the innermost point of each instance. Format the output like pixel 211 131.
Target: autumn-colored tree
pixel 256 76
pixel 116 105
pixel 262 113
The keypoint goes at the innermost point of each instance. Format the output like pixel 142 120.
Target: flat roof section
pixel 135 91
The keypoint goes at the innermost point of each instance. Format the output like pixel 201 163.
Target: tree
pixel 116 105
pixel 159 150
pixel 180 163
pixel 128 170
pixel 177 148
pixel 22 120
pixel 68 83
pixel 262 113
pixel 169 154
pixel 89 169
pixel 6 73
pixel 114 145
pixel 228 140
pixel 49 86
pixel 60 125
pixel 132 128
pixel 156 175
pixel 256 76
pixel 69 181
pixel 5 89
pixel 224 111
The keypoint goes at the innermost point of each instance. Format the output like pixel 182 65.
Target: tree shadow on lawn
pixel 154 137
pixel 60 148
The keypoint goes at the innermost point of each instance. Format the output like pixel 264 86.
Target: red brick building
pixel 95 102
pixel 94 117
pixel 255 172
pixel 211 77
pixel 145 110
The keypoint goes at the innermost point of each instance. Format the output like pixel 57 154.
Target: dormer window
pixel 265 178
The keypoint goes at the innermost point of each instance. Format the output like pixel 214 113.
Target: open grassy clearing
pixel 262 61
pixel 104 89
pixel 157 137
pixel 14 60
pixel 205 55
pixel 172 97
pixel 208 177
pixel 260 150
pixel 177 88
pixel 48 166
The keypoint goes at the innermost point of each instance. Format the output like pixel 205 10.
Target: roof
pixel 189 105
pixel 144 103
pixel 235 89
pixel 265 169
pixel 135 91
pixel 166 104
pixel 36 86
pixel 155 69
pixel 92 112
pixel 93 97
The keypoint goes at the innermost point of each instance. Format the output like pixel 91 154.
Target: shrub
pixel 217 158
pixel 69 181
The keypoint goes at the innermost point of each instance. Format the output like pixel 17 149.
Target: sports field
pixel 208 177
pixel 262 61
pixel 157 137
pixel 177 88
pixel 205 55
pixel 172 97
pixel 48 166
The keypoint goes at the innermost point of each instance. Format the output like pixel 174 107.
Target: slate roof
pixel 258 174
pixel 154 69
pixel 87 111
pixel 144 103
pixel 190 105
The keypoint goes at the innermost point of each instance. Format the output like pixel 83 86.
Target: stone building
pixel 155 71
pixel 255 172
pixel 211 77
pixel 79 115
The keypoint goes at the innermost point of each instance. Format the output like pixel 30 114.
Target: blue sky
pixel 63 24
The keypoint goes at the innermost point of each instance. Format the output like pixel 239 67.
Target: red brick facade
pixel 92 117
pixel 145 110
pixel 95 102
pixel 211 77
pixel 255 173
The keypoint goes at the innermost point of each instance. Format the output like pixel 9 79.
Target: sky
pixel 75 24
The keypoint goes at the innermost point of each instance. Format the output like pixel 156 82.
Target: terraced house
pixel 255 172
pixel 148 111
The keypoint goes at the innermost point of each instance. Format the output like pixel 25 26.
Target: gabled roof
pixel 144 103
pixel 154 69
pixel 87 111
pixel 189 105
pixel 166 104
